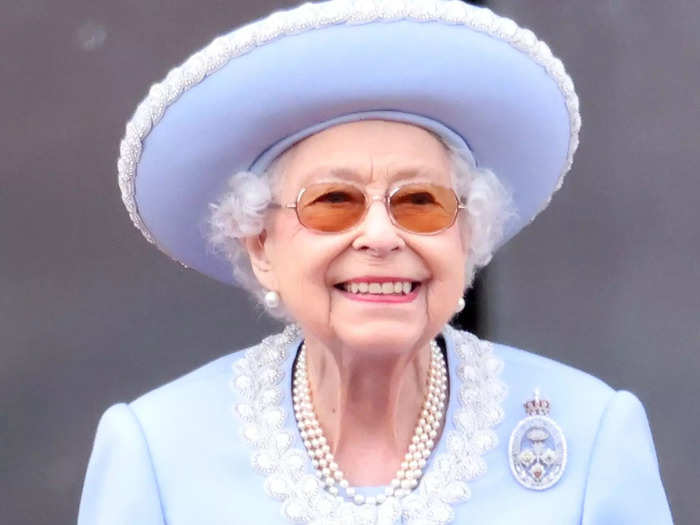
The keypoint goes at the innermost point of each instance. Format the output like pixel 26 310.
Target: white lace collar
pixel 262 383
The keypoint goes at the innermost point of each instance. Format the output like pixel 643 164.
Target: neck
pixel 367 406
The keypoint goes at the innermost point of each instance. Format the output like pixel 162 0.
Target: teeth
pixel 397 287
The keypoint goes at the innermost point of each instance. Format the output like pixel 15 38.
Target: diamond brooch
pixel 537 447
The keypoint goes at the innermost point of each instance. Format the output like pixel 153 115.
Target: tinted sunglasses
pixel 334 207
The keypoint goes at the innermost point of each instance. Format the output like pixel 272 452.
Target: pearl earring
pixel 272 299
pixel 460 305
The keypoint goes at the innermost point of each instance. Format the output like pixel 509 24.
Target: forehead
pixel 370 151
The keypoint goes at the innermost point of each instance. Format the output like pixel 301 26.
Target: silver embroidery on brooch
pixel 260 383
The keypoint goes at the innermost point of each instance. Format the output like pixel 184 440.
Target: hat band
pixel 449 136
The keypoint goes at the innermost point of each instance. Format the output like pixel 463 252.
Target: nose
pixel 377 235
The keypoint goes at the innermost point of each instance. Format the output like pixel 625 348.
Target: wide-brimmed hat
pixel 476 79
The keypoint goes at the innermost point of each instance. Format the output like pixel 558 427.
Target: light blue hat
pixel 474 78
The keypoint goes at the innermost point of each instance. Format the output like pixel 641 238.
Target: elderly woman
pixel 355 163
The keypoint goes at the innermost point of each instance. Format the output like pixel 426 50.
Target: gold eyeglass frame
pixel 369 199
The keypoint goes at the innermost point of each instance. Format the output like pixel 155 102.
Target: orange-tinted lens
pixel 424 208
pixel 330 207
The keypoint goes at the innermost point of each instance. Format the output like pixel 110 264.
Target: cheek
pixel 301 267
pixel 448 264
pixel 446 286
pixel 302 262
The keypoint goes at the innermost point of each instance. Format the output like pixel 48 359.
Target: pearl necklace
pixel 419 450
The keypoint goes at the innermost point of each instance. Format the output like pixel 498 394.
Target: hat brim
pixel 504 94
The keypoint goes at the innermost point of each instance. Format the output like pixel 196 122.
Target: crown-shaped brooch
pixel 537 406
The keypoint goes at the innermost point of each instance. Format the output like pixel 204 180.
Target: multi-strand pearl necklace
pixel 419 450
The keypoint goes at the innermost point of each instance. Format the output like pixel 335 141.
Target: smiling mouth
pixel 395 288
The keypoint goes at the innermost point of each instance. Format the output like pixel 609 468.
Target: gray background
pixel 90 314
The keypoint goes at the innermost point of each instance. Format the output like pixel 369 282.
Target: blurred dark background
pixel 606 279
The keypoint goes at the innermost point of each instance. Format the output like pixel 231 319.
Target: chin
pixel 382 337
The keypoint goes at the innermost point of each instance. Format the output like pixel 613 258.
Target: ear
pixel 257 248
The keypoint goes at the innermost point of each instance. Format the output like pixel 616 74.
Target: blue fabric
pixel 449 136
pixel 175 456
pixel 500 102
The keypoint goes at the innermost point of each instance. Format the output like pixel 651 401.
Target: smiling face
pixel 374 287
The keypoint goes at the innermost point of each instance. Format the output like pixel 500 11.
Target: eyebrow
pixel 351 174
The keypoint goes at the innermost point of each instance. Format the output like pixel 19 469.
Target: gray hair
pixel 241 212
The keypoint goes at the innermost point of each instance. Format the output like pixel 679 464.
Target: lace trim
pixel 308 17
pixel 261 386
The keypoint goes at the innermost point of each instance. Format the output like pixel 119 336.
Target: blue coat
pixel 178 454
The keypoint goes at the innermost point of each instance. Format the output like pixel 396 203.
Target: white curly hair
pixel 241 212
